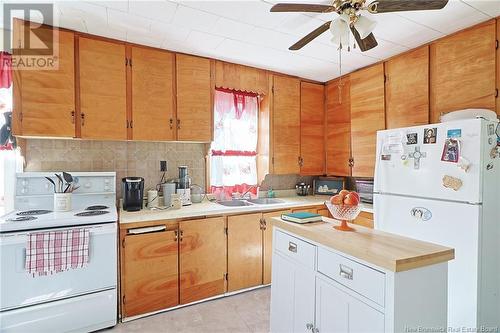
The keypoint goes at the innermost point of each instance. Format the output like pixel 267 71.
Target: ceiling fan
pixel 351 19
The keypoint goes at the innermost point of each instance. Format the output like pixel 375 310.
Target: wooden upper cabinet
pixel 498 69
pixel 407 89
pixel 367 117
pixel 150 272
pixel 312 130
pixel 463 71
pixel 238 77
pixel 286 125
pixel 103 93
pixel 244 251
pixel 44 99
pixel 152 94
pixel 338 133
pixel 194 98
pixel 202 259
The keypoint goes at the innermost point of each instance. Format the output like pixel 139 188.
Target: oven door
pixel 18 288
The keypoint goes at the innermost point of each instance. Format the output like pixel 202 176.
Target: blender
pixel 184 186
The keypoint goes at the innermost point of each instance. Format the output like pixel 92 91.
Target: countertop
pixel 392 252
pixel 207 208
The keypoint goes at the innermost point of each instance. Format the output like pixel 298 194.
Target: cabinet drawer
pixel 295 249
pixel 362 279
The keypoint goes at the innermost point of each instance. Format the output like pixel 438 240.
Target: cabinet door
pixel 194 98
pixel 45 103
pixel 365 219
pixel 202 259
pixel 103 93
pixel 338 134
pixel 267 248
pixel 337 311
pixel 312 131
pixel 367 117
pixel 324 212
pixel 152 94
pixel 498 69
pixel 407 74
pixel 463 71
pixel 244 251
pixel 292 297
pixel 286 125
pixel 150 272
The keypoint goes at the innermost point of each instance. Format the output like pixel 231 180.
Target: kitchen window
pixel 233 154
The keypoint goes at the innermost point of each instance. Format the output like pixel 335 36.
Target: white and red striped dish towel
pixel 57 251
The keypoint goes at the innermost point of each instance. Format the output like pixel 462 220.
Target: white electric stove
pixel 77 300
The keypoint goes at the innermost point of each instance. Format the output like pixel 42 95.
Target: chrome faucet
pixel 247 192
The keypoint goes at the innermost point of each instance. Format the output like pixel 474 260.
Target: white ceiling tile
pixel 194 19
pixel 73 23
pixel 170 31
pixel 231 29
pixel 399 30
pixel 160 10
pixel 385 49
pixel 145 39
pixel 258 13
pixel 488 7
pixel 102 29
pixel 114 4
pixel 128 22
pixel 203 41
pixel 299 25
pixel 83 10
pixel 223 8
pixel 270 38
pixel 463 16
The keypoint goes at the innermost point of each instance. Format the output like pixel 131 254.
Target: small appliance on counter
pixel 184 186
pixel 302 189
pixel 364 187
pixel 133 193
pixel 328 185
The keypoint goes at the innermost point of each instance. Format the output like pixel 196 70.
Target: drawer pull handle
pixel 292 247
pixel 346 272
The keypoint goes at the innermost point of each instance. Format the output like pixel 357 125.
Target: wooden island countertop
pixel 389 251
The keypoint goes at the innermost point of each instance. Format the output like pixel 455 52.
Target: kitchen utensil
pixel 344 213
pixel 302 189
pixel 52 182
pixel 60 183
pixel 152 199
pixel 197 193
pixel 67 177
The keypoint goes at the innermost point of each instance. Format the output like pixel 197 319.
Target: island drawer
pixel 364 280
pixel 295 249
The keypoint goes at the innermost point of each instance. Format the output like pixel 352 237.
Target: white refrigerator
pixel 441 183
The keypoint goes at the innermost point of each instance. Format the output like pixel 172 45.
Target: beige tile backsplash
pixel 125 158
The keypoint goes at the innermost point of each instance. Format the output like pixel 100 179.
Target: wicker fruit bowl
pixel 344 213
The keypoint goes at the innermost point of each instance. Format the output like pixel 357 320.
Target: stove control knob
pixel 87 185
pixel 106 188
pixel 24 182
pixel 24 190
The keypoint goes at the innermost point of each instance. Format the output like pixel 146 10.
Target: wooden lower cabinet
pixel 202 258
pixel 149 272
pixel 244 249
pixel 267 244
pixel 324 212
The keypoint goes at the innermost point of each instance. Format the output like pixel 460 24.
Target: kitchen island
pixel 362 281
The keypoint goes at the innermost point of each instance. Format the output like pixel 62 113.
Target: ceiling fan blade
pixel 364 44
pixel 302 7
pixel 313 34
pixel 387 6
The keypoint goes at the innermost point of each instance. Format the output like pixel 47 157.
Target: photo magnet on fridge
pixel 454 133
pixel 430 135
pixel 451 151
pixel 411 138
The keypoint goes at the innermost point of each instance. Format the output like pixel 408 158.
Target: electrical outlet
pixel 163 166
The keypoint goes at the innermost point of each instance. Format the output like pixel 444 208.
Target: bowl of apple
pixel 344 207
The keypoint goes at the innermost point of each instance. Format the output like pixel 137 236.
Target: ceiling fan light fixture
pixel 339 30
pixel 365 26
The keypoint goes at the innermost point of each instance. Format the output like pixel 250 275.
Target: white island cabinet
pixel 326 281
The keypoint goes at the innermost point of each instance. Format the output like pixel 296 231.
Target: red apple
pixel 356 195
pixel 336 200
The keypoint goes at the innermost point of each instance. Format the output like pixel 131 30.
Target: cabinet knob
pixel 292 247
pixel 171 123
pixel 82 116
pixel 178 124
pixel 346 272
pixel 72 117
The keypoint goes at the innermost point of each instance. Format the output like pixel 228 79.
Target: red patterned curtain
pixel 233 165
pixel 5 70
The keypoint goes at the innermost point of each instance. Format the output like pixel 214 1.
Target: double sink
pixel 250 202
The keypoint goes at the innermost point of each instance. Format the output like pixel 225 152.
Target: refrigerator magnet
pixel 411 138
pixel 464 164
pixel 452 182
pixel 430 135
pixel 451 150
pixel 454 133
pixel 386 157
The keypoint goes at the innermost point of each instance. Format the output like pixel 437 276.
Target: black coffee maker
pixel 133 193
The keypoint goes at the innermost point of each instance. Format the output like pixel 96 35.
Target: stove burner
pixel 92 213
pixel 34 212
pixel 22 218
pixel 97 207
